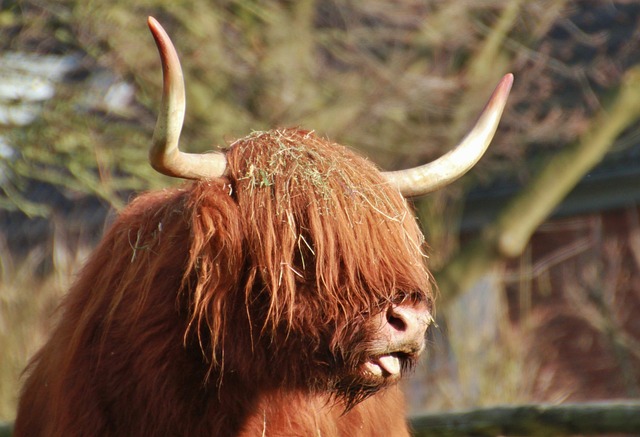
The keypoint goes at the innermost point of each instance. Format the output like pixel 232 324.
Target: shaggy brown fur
pixel 237 306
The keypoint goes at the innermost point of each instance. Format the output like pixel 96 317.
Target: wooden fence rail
pixel 621 417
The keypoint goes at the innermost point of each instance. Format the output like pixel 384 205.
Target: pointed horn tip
pixel 158 32
pixel 168 54
pixel 498 98
pixel 504 86
pixel 152 23
pixel 156 28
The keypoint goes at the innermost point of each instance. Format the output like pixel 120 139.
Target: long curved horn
pixel 449 167
pixel 164 155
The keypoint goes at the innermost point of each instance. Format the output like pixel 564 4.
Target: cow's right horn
pixel 164 155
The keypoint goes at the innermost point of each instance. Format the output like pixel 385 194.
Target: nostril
pixel 396 320
pixel 408 319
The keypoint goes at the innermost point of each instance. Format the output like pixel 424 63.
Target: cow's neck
pixel 283 412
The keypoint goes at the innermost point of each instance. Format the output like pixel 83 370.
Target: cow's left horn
pixel 164 155
pixel 449 167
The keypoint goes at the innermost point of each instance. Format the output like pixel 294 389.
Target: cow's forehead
pixel 313 208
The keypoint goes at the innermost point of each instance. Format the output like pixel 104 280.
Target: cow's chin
pixel 374 374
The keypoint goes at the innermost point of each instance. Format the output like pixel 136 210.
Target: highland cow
pixel 283 292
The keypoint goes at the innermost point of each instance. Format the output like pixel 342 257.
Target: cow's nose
pixel 407 324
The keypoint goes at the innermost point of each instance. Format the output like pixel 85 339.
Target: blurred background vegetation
pixel 401 81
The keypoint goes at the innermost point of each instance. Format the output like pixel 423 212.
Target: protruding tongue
pixel 390 364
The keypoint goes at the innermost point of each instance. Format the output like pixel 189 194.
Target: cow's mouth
pixel 386 366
